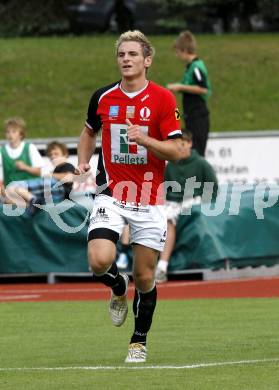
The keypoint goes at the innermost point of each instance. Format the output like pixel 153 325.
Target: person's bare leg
pixel 101 255
pixel 125 236
pixel 17 195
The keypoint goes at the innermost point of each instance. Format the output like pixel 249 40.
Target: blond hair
pixel 186 42
pixel 136 36
pixel 17 123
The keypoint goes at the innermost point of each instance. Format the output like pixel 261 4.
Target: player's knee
pixel 144 280
pixel 99 262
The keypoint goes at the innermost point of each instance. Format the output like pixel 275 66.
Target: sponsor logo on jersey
pixel 145 113
pixel 130 111
pixel 177 114
pixel 124 151
pixel 113 111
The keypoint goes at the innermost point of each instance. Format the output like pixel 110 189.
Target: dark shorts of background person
pixel 198 126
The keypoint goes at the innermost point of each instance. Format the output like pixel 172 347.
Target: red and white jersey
pixel 127 171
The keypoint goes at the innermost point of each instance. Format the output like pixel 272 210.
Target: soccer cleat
pixel 118 306
pixel 136 353
pixel 160 276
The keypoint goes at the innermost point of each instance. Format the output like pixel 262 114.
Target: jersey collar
pixel 131 95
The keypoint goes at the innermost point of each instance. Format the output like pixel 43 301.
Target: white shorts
pixel 148 224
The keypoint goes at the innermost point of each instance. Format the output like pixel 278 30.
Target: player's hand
pixel 20 165
pixel 81 169
pixel 135 134
pixel 174 87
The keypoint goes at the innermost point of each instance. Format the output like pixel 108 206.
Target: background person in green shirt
pixel 195 88
pixel 19 160
pixel 196 167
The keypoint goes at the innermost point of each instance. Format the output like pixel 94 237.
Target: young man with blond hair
pixel 140 130
pixel 195 88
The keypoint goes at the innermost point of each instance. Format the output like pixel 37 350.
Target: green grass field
pixel 49 81
pixel 57 334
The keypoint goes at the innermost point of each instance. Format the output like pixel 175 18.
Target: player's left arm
pixel 170 149
pixel 171 146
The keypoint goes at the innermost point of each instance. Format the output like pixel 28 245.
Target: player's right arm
pixel 86 148
pixel 87 139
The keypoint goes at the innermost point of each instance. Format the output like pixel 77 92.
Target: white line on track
pixel 11 297
pixel 56 290
pixel 153 367
pixel 101 289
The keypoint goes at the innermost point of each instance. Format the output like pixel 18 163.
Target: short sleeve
pixel 93 120
pixel 199 77
pixel 170 126
pixel 36 159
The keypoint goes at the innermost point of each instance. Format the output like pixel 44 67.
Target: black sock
pixel 143 308
pixel 112 279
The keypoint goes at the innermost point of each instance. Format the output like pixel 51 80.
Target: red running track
pixel 241 288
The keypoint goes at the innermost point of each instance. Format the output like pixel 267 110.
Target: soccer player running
pixel 140 130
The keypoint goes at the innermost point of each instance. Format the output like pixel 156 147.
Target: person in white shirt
pixel 19 160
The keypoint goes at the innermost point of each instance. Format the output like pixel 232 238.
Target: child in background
pixel 19 160
pixel 196 88
pixel 32 192
pixel 58 155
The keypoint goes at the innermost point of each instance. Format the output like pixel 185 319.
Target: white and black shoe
pixel 137 353
pixel 118 306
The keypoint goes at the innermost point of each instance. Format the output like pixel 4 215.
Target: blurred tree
pixel 227 11
pixel 123 16
pixel 44 17
pixel 269 9
pixel 33 17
